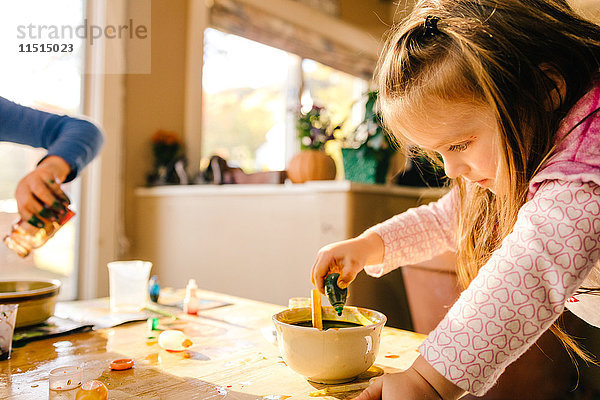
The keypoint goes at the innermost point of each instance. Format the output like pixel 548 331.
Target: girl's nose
pixel 454 168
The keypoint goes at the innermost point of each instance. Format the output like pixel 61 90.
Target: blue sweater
pixel 74 140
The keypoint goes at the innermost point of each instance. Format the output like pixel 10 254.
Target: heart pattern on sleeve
pixel 522 289
pixel 417 235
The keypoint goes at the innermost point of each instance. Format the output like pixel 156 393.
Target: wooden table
pixel 232 358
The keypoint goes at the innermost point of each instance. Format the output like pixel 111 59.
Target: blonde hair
pixel 495 53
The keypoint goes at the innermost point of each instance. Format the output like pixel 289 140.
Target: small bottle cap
pixel 152 324
pixel 121 364
pixel 192 284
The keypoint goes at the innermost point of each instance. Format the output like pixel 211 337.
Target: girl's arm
pixel 416 235
pixel 75 141
pixel 522 290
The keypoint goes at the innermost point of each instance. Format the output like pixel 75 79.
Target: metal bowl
pixel 36 299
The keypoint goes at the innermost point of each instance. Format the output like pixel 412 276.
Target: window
pixel 51 82
pixel 251 95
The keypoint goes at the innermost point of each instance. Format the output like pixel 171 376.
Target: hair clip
pixel 431 28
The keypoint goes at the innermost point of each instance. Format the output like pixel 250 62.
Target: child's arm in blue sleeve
pixel 74 140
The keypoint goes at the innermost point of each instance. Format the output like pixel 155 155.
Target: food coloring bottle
pixel 154 288
pixel 191 304
pixel 336 296
pixel 26 236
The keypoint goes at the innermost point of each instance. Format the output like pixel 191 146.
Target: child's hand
pixel 41 187
pixel 348 258
pixel 405 385
pixel 420 381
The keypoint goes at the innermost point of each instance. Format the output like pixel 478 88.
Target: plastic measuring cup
pixel 8 316
pixel 128 285
pixel 65 378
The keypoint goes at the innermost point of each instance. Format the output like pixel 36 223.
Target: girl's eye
pixel 459 147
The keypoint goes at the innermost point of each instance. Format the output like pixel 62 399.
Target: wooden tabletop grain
pixel 233 357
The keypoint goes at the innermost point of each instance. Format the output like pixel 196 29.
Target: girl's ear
pixel 559 91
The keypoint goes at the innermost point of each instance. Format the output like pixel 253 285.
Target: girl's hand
pixel 38 194
pixel 348 258
pixel 420 381
pixel 407 385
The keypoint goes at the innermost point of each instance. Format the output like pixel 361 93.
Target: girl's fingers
pixel 347 273
pixel 315 266
pixel 373 391
pixel 320 270
pixel 319 277
pixel 313 271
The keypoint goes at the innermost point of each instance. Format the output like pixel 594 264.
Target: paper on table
pixel 97 312
pixel 54 326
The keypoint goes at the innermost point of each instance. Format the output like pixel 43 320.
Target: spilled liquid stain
pixel 392 356
pixel 195 355
pixel 221 390
pixel 63 347
pixel 372 372
pixel 195 329
pixel 151 359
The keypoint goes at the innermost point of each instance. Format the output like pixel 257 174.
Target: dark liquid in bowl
pixel 327 324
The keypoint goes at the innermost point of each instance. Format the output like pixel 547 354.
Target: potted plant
pixel 314 129
pixel 169 161
pixel 367 152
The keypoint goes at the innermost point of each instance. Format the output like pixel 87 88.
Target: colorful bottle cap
pixel 121 364
pixel 152 324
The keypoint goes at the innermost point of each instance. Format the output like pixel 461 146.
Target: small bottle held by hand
pixel 34 233
pixel 336 295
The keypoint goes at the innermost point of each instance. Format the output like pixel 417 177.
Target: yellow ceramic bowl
pixel 334 355
pixel 36 299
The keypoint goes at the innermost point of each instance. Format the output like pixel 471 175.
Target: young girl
pixel 507 94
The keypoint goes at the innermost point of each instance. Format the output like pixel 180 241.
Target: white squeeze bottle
pixel 191 303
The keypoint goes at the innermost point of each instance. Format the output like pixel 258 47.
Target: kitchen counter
pixel 288 189
pixel 256 241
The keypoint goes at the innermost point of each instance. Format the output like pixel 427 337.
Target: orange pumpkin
pixel 311 165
